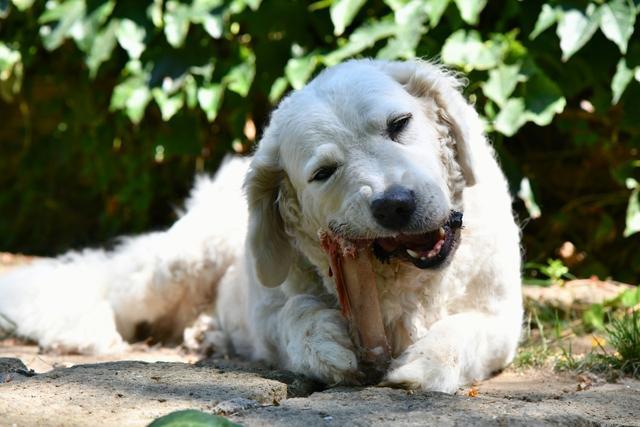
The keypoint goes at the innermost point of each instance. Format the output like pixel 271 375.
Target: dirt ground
pixel 134 388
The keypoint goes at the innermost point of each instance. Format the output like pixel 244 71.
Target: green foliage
pixel 111 106
pixel 192 418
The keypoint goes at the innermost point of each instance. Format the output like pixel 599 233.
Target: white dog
pixel 387 153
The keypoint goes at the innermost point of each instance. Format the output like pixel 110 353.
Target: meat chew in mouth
pixel 352 270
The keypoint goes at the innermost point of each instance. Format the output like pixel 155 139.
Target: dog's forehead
pixel 341 104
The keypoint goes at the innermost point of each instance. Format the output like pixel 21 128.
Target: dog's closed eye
pixel 396 124
pixel 323 173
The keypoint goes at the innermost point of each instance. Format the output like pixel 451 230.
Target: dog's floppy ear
pixel 270 248
pixel 424 79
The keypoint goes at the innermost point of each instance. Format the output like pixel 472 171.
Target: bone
pixel 352 269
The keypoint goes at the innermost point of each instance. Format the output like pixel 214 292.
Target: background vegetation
pixel 108 108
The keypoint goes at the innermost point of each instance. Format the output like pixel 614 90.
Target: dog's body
pixel 375 152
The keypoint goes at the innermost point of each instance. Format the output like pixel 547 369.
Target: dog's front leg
pixel 309 338
pixel 458 350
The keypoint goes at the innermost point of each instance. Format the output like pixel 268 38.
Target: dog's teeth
pixel 441 232
pixel 413 254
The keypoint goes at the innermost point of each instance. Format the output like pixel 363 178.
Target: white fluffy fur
pixel 275 301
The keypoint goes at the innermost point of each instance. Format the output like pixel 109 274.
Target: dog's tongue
pixel 356 286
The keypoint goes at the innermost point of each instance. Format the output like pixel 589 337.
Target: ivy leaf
pixel 525 193
pixel 633 213
pixel 240 77
pixel 548 16
pixel 210 99
pixel 131 37
pixel 101 48
pixel 410 28
pixel 543 100
pixel 511 117
pixel 277 89
pixel 169 105
pixel 132 96
pixel 362 38
pixel 299 70
pixel 470 10
pixel 11 72
pixel 67 15
pixel 22 5
pixel 467 50
pixel 176 22
pixel 501 83
pixel 435 9
pixel 576 28
pixel 620 80
pixel 617 21
pixel 192 418
pixel 342 13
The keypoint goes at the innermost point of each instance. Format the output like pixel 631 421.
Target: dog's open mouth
pixel 426 250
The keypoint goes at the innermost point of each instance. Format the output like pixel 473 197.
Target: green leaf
pixel 130 37
pixel 362 38
pixel 299 70
pixel 511 117
pixel 543 100
pixel 22 5
pixel 525 193
pixel 210 99
pixel 633 213
pixel 410 28
pixel 240 77
pixel 277 89
pixel 67 15
pixel 548 16
pixel 435 9
pixel 342 13
pixel 617 21
pixel 11 72
pixel 169 105
pixel 576 28
pixel 176 22
pixel 593 317
pixel 467 50
pixel 192 418
pixel 132 96
pixel 101 48
pixel 620 80
pixel 501 83
pixel 470 10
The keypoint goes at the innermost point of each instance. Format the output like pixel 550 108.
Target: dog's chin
pixel 425 250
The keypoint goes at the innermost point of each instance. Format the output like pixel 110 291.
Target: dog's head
pixel 372 151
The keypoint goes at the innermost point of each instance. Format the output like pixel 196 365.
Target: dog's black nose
pixel 394 208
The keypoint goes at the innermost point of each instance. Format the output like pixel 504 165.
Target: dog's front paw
pixel 321 348
pixel 428 366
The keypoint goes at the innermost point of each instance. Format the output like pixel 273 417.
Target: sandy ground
pixel 134 388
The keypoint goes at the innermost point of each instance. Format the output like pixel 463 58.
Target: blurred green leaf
pixel 11 72
pixel 362 38
pixel 278 88
pixel 299 70
pixel 169 105
pixel 435 9
pixel 240 77
pixel 210 99
pixel 132 96
pixel 177 17
pixel 593 317
pixel 501 83
pixel 130 37
pixel 61 18
pixel 22 4
pixel 548 16
pixel 617 21
pixel 576 28
pixel 633 213
pixel 470 10
pixel 192 418
pixel 543 99
pixel 101 48
pixel 467 50
pixel 620 80
pixel 342 13
pixel 511 117
pixel 525 193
